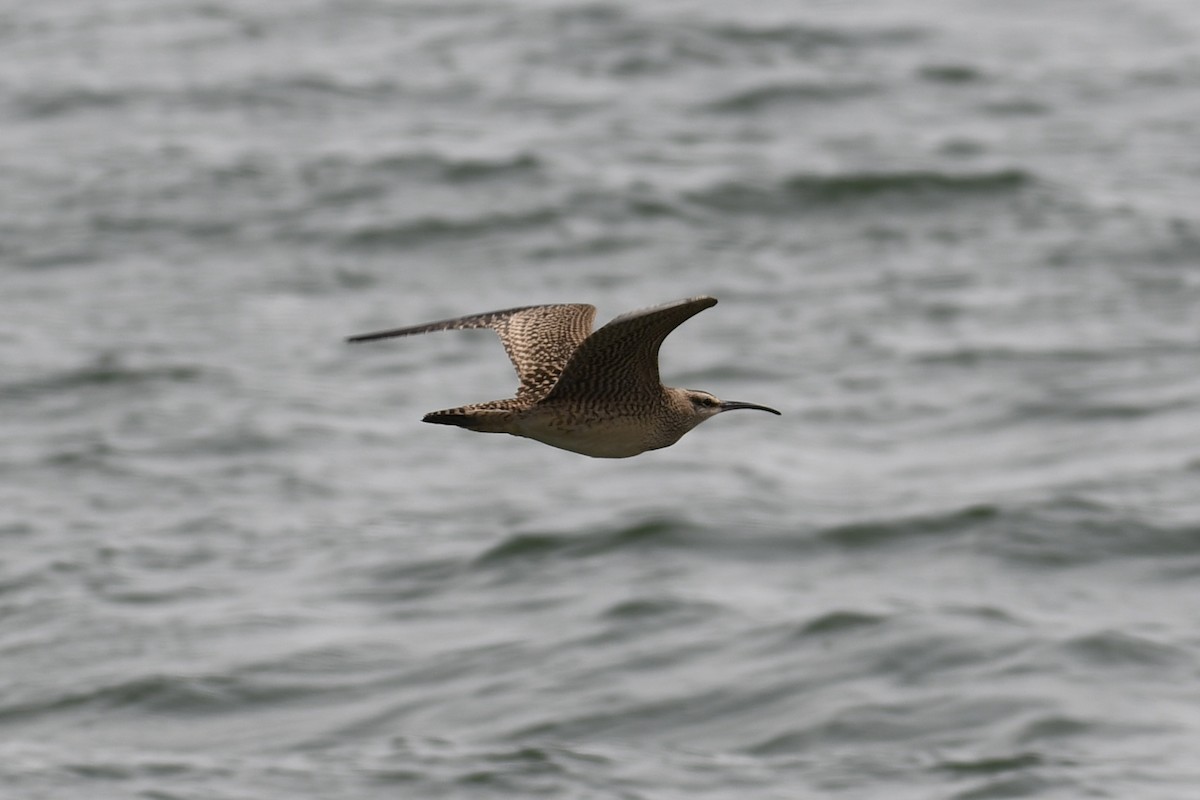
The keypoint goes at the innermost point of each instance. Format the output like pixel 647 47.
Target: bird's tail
pixel 494 417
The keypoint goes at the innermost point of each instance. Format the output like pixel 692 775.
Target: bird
pixel 594 393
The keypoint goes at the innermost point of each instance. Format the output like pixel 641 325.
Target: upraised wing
pixel 620 360
pixel 539 340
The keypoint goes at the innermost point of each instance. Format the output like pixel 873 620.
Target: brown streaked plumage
pixel 599 393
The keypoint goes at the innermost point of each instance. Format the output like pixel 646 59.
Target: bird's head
pixel 702 405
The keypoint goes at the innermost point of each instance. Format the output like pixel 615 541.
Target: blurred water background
pixel 956 242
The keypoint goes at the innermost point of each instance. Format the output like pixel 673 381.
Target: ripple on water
pixel 773 96
pixel 840 189
pixel 104 372
pixel 654 533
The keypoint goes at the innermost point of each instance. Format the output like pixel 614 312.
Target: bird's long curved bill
pixel 731 405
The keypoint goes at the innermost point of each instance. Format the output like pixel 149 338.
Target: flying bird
pixel 596 393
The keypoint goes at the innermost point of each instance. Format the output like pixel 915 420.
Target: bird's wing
pixel 621 358
pixel 539 340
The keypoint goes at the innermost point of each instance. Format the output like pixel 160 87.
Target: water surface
pixel 956 244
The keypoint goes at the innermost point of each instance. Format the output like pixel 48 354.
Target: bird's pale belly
pixel 615 437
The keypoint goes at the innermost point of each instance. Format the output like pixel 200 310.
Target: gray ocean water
pixel 956 242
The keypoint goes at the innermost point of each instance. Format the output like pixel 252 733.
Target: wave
pixel 761 98
pixel 1059 532
pixel 885 532
pixel 991 765
pixel 659 608
pixel 1053 533
pixel 801 37
pixel 843 188
pixel 601 38
pixel 435 228
pixel 611 205
pixel 159 693
pixel 283 92
pixel 950 73
pixel 53 102
pixel 1070 532
pixel 437 167
pixel 537 546
pixel 1116 650
pixel 834 622
pixel 981 355
pixel 104 372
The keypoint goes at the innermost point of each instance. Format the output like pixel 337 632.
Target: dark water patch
pixel 731 373
pixel 590 14
pixel 320 281
pixel 93 454
pixel 465 170
pixel 837 622
pixel 290 93
pixel 1084 410
pixel 950 73
pixel 396 583
pixel 1117 649
pixel 18 528
pixel 52 255
pixel 611 206
pixel 634 719
pixel 122 767
pixel 105 372
pixel 541 546
pixel 433 229
pixel 601 245
pixel 848 188
pixel 249 435
pixel 390 776
pixel 431 167
pixel 1067 531
pixel 627 44
pixel 164 694
pixel 992 765
pixel 962 147
pixel 804 39
pixel 987 614
pixel 989 356
pixel 1054 727
pixel 1010 787
pixel 511 772
pixel 109 772
pixel 763 98
pixel 434 570
pixel 640 617
pixel 163 224
pixel 656 608
pixel 17 584
pixel 528 546
pixel 328 667
pixel 156 598
pixel 1017 107
pixel 862 724
pixel 911 183
pixel 887 532
pixel 56 102
pixel 944 717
